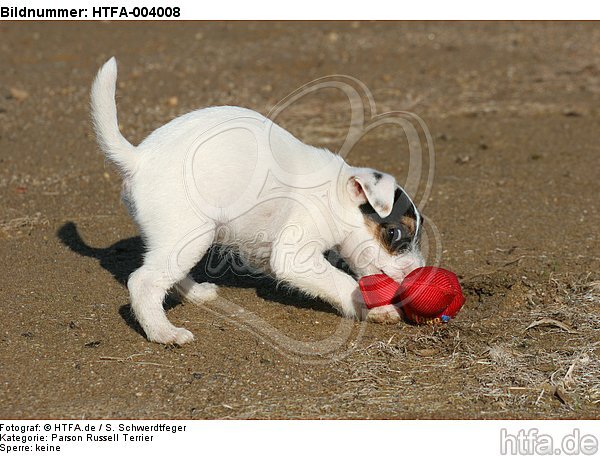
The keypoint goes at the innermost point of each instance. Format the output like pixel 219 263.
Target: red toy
pixel 427 295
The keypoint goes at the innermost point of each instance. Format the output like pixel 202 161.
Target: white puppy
pixel 229 175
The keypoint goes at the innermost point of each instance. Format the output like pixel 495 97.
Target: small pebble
pixel 18 94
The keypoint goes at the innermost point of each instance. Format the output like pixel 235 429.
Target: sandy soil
pixel 513 111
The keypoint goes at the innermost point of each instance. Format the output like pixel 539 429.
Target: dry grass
pixel 510 370
pixel 19 225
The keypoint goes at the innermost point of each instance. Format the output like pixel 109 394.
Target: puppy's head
pixel 389 226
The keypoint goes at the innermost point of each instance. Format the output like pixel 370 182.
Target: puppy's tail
pixel 104 115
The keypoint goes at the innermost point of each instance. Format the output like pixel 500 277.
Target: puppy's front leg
pixel 313 274
pixel 389 314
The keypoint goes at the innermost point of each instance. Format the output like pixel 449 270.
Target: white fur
pixel 229 175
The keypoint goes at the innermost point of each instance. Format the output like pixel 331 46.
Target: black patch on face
pixel 377 176
pixel 397 230
pixel 402 207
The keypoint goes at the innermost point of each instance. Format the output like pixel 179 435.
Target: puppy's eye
pixel 397 240
pixel 394 234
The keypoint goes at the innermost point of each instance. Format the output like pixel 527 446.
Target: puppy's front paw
pixel 171 335
pixel 389 315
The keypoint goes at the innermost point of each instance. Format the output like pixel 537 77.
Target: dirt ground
pixel 513 111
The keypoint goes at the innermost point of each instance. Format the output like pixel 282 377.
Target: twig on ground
pixel 551 322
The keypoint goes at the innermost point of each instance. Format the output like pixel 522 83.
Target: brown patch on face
pixel 410 223
pixel 407 225
pixel 378 234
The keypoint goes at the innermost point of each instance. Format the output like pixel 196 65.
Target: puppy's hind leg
pixel 164 267
pixel 196 292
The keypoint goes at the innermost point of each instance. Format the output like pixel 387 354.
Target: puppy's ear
pixel 367 185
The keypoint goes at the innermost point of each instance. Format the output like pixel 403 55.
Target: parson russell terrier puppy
pixel 230 176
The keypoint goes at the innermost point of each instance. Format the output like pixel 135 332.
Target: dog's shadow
pixel 126 255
